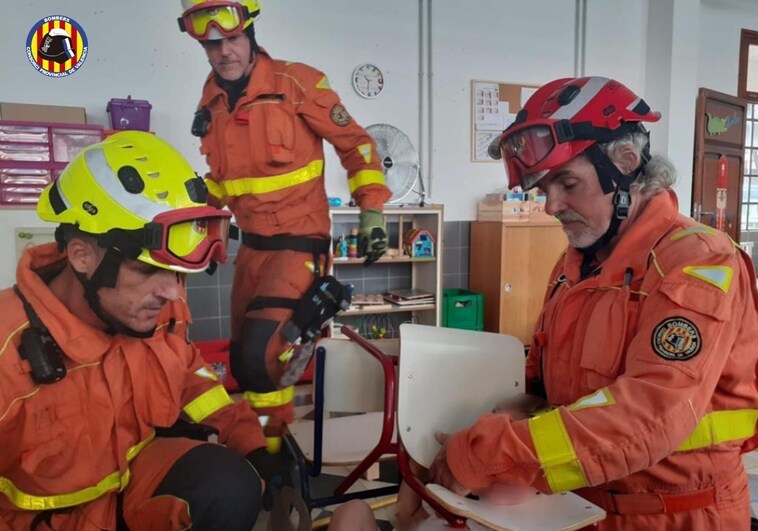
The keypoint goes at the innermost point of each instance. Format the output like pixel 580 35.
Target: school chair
pixel 447 378
pixel 356 379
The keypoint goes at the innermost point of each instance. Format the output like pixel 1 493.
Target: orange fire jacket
pixel 266 156
pixel 71 442
pixel 650 366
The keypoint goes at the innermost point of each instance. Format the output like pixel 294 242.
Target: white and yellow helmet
pixel 135 193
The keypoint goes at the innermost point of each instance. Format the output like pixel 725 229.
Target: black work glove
pixel 273 470
pixel 372 236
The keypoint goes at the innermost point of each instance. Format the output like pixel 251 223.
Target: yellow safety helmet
pixel 135 193
pixel 208 20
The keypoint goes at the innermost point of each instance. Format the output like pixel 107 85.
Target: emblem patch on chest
pixel 339 115
pixel 677 339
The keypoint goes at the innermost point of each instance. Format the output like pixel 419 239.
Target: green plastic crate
pixel 462 309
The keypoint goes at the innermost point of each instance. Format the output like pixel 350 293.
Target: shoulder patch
pixel 365 151
pixel 719 276
pixel 677 339
pixel 339 115
pixel 698 229
pixel 323 83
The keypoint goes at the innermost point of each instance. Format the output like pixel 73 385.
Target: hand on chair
pixel 439 471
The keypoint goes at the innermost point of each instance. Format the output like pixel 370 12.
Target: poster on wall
pixel 494 106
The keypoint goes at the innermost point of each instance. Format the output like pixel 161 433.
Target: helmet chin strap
pixel 611 180
pixel 105 277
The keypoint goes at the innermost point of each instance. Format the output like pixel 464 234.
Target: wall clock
pixel 368 81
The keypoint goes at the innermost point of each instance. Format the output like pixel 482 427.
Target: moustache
pixel 568 217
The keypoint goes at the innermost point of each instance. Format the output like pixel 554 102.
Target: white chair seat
pixel 564 512
pixel 346 440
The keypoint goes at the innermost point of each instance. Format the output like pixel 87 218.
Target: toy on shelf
pixel 419 243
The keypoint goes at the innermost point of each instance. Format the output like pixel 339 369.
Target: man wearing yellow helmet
pixel 262 122
pixel 94 358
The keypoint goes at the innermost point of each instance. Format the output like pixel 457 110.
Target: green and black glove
pixel 372 236
pixel 273 470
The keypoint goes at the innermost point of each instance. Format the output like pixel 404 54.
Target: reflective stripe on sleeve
pixel 364 178
pixel 720 427
pixel 272 399
pixel 207 403
pixel 555 451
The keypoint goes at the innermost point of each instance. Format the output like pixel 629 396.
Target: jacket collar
pixel 262 81
pixel 634 245
pixel 80 341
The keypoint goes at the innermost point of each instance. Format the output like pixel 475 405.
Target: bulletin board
pixel 493 108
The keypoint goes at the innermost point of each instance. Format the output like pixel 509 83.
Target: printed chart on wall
pixel 493 108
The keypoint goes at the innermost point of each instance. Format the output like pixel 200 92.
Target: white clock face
pixel 368 81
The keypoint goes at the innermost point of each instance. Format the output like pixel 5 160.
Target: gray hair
pixel 657 174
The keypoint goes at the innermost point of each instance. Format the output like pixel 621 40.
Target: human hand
pixel 409 511
pixel 439 471
pixel 521 406
pixel 372 236
pixel 272 471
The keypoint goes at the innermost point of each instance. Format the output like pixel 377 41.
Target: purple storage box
pixel 129 114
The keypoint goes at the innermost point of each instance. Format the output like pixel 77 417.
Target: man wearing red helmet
pixel 645 348
pixel 262 123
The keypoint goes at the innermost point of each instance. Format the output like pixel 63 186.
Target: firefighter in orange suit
pixel 645 350
pixel 262 122
pixel 94 357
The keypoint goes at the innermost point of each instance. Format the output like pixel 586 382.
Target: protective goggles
pixel 227 18
pixel 188 239
pixel 530 152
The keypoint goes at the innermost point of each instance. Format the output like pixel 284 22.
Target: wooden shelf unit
pixel 426 273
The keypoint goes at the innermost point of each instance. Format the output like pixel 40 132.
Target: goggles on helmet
pixel 228 18
pixel 531 151
pixel 187 239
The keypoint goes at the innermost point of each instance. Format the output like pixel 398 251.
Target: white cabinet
pixel 423 273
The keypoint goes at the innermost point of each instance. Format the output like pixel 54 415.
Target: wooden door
pixel 719 161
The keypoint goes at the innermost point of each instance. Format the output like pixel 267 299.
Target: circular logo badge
pixel 56 46
pixel 339 115
pixel 677 339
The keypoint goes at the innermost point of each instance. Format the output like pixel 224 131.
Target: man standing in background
pixel 262 122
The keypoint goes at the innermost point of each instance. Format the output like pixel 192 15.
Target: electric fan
pixel 399 161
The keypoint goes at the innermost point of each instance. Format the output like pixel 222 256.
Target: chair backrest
pixel 448 378
pixel 353 378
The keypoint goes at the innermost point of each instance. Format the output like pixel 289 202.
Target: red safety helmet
pixel 561 120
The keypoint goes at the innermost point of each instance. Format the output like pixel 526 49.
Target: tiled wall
pixel 208 295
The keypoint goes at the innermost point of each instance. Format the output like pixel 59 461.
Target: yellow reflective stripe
pixel 207 403
pixel 363 178
pixel 555 451
pixel 273 445
pixel 272 399
pixel 720 427
pixel 113 481
pixel 264 185
pixel 698 229
pixel 132 452
pixel 29 502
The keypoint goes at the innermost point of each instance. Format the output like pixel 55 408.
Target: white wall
pixel 135 48
pixel 721 22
